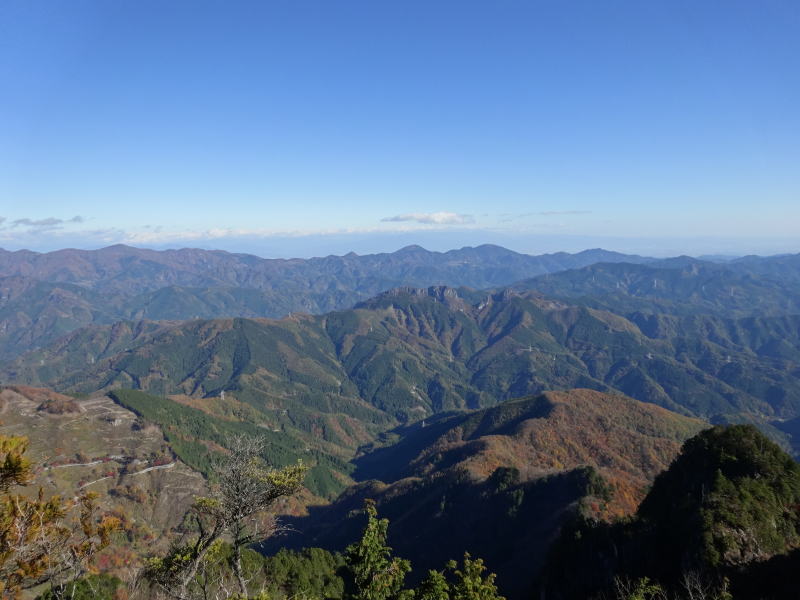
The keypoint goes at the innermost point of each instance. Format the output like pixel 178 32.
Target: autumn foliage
pixel 43 539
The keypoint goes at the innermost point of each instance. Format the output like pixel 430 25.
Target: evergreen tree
pixel 375 574
pixel 467 583
pixel 433 587
pixel 470 582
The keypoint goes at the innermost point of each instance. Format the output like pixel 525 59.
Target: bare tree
pixel 694 586
pixel 697 587
pixel 236 511
pixel 246 490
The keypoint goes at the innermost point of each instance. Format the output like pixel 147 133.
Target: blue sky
pixel 296 128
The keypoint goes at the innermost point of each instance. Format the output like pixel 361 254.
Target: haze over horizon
pixel 311 128
pixel 307 247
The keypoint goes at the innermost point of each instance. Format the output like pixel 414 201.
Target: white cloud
pixel 43 224
pixel 435 218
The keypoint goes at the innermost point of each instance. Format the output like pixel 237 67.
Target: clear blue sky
pixel 299 127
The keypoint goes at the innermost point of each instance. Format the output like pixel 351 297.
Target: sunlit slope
pixel 44 296
pixel 411 353
pixel 197 431
pixel 499 482
pixel 628 442
pixel 96 445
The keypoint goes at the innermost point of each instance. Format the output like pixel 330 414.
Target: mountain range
pixel 449 483
pixel 128 269
pixel 43 296
pixel 677 333
pixel 681 286
pixel 411 353
pixel 473 394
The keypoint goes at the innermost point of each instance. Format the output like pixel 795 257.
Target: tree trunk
pixel 237 567
pixel 201 548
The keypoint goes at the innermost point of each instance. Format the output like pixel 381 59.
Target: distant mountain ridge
pixel 125 268
pixel 44 296
pixel 681 285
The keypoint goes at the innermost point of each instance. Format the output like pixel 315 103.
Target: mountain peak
pixel 119 248
pixel 412 248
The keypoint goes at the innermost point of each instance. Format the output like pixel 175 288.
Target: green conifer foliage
pixel 376 575
pixel 43 539
pixel 470 582
pixel 433 587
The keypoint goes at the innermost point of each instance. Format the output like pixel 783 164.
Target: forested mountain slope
pixel 498 482
pixel 757 287
pixel 724 512
pixel 411 353
pixel 680 286
pixel 43 296
pixel 124 268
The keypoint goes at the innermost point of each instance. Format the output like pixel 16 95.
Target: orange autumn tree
pixel 43 540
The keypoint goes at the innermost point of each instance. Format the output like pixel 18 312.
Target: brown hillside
pixel 102 448
pixel 34 394
pixel 499 482
pixel 627 441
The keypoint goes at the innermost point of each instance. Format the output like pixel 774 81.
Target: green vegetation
pixel 50 540
pixel 71 289
pixel 367 570
pixel 725 505
pixel 310 573
pixel 682 286
pixel 410 383
pixel 726 481
pixel 465 583
pixel 374 574
pixel 342 378
pixel 91 587
pixel 720 518
pixel 243 493
pixel 193 433
pixel 467 481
